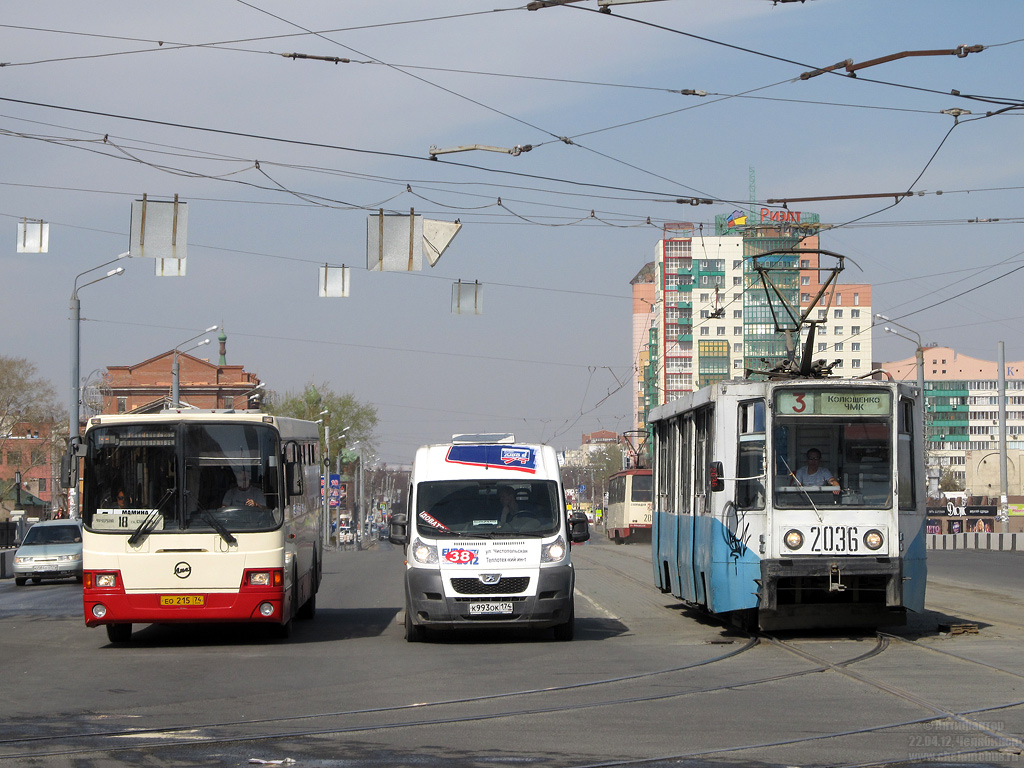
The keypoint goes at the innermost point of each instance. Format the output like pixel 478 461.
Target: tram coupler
pixel 835 580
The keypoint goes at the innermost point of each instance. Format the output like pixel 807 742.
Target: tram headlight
pixel 794 539
pixel 873 540
pixel 424 553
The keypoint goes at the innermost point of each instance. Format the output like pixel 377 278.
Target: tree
pixel 350 420
pixel 949 482
pixel 28 403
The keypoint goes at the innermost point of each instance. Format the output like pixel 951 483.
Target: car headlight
pixel 794 539
pixel 70 558
pixel 553 552
pixel 425 554
pixel 873 540
pixel 23 560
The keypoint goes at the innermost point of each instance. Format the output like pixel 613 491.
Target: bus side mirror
pixel 398 529
pixel 293 477
pixel 715 476
pixel 579 528
pixel 69 465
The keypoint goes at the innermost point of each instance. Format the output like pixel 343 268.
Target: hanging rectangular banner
pixel 170 267
pixel 394 242
pixel 33 236
pixel 334 281
pixel 467 298
pixel 159 229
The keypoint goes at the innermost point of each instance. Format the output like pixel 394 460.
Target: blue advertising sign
pixel 515 457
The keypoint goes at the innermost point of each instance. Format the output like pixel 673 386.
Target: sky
pixel 281 160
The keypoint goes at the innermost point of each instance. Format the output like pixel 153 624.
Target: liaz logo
pixel 515 456
pixel 460 556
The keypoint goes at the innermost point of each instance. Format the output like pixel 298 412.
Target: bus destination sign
pixel 833 402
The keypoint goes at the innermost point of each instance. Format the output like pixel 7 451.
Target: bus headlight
pixel 107 580
pixel 794 539
pixel 425 554
pixel 873 540
pixel 553 552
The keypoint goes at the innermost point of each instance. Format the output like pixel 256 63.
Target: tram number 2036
pixel 834 538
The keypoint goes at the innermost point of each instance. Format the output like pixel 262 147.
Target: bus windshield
pixel 487 508
pixel 182 477
pixel 833 448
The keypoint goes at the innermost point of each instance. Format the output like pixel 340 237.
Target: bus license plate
pixel 182 600
pixel 476 609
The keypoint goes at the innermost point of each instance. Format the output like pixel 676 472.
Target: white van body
pixel 487 538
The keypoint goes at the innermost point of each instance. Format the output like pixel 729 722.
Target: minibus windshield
pixel 487 508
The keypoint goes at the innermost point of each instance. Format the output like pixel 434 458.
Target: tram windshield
pixel 143 478
pixel 450 508
pixel 833 447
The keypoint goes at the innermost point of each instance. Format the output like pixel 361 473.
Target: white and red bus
pixel 200 516
pixel 628 517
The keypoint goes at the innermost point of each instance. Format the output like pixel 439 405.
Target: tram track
pixel 119 741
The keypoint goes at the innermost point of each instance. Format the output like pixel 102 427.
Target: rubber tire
pixel 413 632
pixel 565 632
pixel 20 581
pixel 36 580
pixel 308 610
pixel 119 633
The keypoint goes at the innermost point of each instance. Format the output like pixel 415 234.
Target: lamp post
pixel 175 366
pixel 920 349
pixel 325 469
pixel 76 353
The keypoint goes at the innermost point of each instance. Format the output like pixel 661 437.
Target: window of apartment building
pixel 856 298
pixel 854 329
pixel 705 314
pixel 805 263
pixel 738 363
pixel 705 331
pixel 737 263
pixel 737 330
pixel 839 347
pixel 737 348
pixel 229 401
pixel 855 313
pixel 737 297
pixel 14 458
pixel 671 280
pixel 822 346
pixel 822 314
pixel 737 281
pixel 838 330
pixel 805 280
pixel 720 330
pixel 804 298
pixel 837 313
pixel 671 314
pixel 737 314
pixel 705 297
pixel 42 485
pixel 839 363
pixel 855 363
pixel 855 346
pixel 122 405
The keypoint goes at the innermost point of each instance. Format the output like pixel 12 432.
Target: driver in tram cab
pixel 244 494
pixel 813 473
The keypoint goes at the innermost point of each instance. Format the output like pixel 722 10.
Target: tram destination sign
pixel 833 402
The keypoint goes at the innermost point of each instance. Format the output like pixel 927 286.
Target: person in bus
pixel 507 500
pixel 244 493
pixel 813 473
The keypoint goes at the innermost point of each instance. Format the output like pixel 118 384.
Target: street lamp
pixel 920 349
pixel 175 366
pixel 76 316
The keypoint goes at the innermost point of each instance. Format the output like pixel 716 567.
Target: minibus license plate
pixel 182 599
pixel 476 609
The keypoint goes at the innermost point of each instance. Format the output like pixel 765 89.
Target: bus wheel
pixel 119 633
pixel 618 539
pixel 308 609
pixel 413 632
pixel 565 632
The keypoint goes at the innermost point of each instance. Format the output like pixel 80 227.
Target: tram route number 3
pixel 833 538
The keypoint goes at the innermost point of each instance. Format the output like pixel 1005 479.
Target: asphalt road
pixel 647 679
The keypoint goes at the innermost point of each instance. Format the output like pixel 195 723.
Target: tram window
pixel 750 456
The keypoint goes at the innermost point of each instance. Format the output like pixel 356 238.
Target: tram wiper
pixel 146 526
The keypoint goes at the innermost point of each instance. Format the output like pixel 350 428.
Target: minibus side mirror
pixel 579 528
pixel 398 530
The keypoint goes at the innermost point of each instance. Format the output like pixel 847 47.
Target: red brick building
pixel 146 386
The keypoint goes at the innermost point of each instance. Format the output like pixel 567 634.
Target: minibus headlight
pixel 425 554
pixel 873 540
pixel 553 552
pixel 794 539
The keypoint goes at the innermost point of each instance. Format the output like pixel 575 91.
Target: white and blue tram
pixel 744 529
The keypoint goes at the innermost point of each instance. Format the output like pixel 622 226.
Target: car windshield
pixel 53 534
pixel 487 508
pixel 142 478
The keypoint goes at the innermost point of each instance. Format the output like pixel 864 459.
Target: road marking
pixel 597 606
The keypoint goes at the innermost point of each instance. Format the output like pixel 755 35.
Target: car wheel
pixel 20 581
pixel 119 633
pixel 413 632
pixel 565 632
pixel 36 580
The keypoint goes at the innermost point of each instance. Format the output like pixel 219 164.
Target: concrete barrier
pixel 1006 542
pixel 7 563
